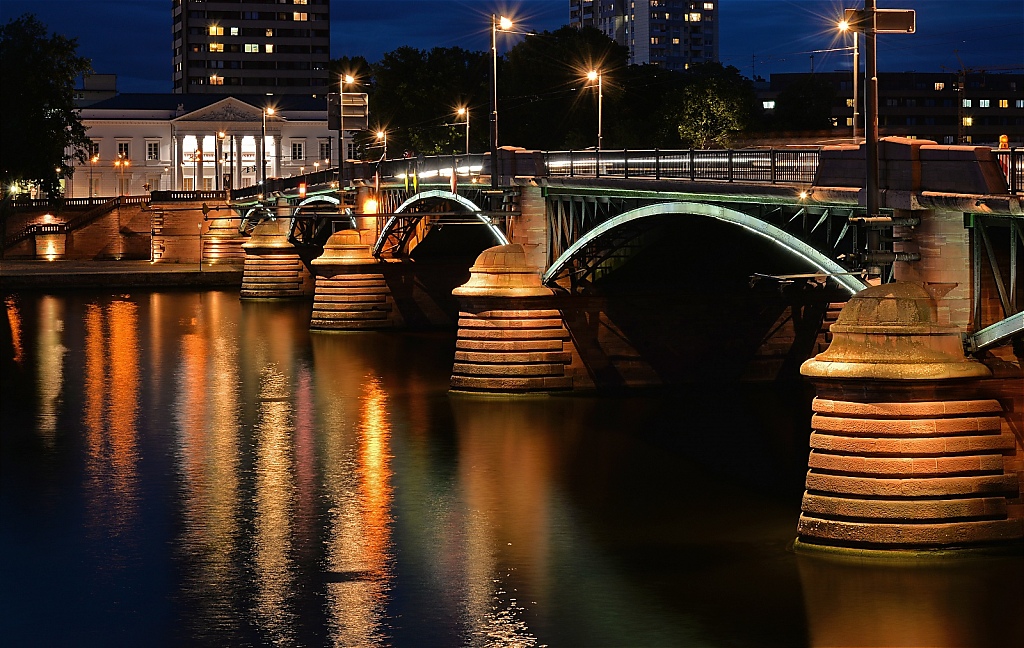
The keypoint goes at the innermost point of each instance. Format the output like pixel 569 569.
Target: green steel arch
pixel 773 234
pixel 392 223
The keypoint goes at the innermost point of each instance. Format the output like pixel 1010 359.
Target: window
pixel 849 103
pixel 940 86
pixel 849 121
pixel 269 33
pixel 983 103
pixel 252 47
pixel 768 105
pixel 298 15
pixel 709 6
pixel 1019 103
pixel 216 30
pixel 694 17
pixel 94 148
pixel 968 121
pixel 967 103
pixel 325 150
pixel 152 150
pixel 268 48
pixel 234 31
pixel 216 80
pixel 297 151
pixel 1004 103
pixel 216 47
pixel 124 149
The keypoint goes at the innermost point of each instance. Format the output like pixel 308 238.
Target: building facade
pixel 945 107
pixel 672 34
pixel 251 46
pixel 151 142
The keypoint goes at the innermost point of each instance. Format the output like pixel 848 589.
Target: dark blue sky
pixel 132 38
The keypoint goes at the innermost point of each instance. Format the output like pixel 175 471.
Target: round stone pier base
pixel 904 454
pixel 222 243
pixel 351 293
pixel 511 340
pixel 273 268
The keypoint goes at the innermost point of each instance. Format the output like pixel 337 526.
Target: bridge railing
pixel 1012 163
pixel 741 165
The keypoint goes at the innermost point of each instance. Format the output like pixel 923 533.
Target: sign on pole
pixel 357 112
pixel 887 21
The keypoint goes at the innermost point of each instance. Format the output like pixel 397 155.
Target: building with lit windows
pixel 168 142
pixel 251 46
pixel 672 34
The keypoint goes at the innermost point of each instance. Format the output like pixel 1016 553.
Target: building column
pixel 261 158
pixel 179 160
pixel 275 164
pixel 236 163
pixel 198 166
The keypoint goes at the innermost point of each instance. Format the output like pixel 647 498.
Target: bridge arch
pixel 775 235
pixel 396 220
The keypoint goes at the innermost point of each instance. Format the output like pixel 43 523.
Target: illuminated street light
pixel 268 111
pixel 591 76
pixel 505 24
pixel 382 135
pixel 844 26
pixel 463 111
pixel 342 153
pixel 92 165
pixel 122 163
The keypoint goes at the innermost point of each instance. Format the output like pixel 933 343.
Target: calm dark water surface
pixel 183 469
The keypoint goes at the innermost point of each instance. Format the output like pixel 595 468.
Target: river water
pixel 185 469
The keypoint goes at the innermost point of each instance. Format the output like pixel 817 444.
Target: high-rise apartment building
pixel 251 46
pixel 672 34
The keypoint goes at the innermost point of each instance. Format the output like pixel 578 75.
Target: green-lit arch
pixel 470 206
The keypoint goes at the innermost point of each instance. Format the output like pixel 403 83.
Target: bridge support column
pixel 905 455
pixel 351 293
pixel 273 268
pixel 511 338
pixel 222 243
pixel 530 229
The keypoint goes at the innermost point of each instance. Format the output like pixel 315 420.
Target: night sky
pixel 132 38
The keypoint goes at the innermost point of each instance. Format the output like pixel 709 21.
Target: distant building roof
pixel 160 101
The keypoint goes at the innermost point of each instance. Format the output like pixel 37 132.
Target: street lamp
pixel 92 165
pixel 268 111
pixel 342 153
pixel 844 26
pixel 504 24
pixel 591 76
pixel 122 163
pixel 382 135
pixel 463 111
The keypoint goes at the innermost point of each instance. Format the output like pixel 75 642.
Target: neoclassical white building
pixel 151 142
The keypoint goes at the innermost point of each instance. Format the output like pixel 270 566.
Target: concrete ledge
pixel 66 275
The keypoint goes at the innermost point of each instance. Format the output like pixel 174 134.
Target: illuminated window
pixel 216 47
pixel 983 103
pixel 302 2
pixel 940 86
pixel 1019 103
pixel 1004 103
pixel 152 150
pixel 298 15
pixel 967 103
pixel 216 80
pixel 252 47
pixel 269 48
pixel 709 6
pixel 849 103
pixel 269 33
pixel 216 30
pixel 968 121
pixel 768 105
pixel 675 41
pixel 849 121
pixel 695 17
pixel 234 31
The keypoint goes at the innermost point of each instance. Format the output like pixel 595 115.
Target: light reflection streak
pixel 274 431
pixel 14 319
pixel 50 351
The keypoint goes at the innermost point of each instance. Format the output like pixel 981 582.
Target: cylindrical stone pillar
pixel 273 267
pixel 904 454
pixel 511 340
pixel 222 243
pixel 351 293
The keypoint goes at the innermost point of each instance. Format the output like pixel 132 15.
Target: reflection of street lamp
pixel 383 135
pixel 122 163
pixel 591 76
pixel 463 111
pixel 263 147
pixel 844 26
pixel 92 165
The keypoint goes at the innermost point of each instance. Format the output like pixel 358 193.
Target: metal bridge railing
pixel 740 165
pixel 1011 161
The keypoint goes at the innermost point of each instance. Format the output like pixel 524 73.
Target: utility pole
pixel 871 123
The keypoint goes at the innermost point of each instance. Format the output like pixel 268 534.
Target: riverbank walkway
pixel 64 275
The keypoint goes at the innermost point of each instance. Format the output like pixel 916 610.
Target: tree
pixel 714 104
pixel 42 133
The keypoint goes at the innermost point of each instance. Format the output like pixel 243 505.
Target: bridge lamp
pixel 346 79
pixel 505 24
pixel 267 112
pixel 845 26
pixel 595 75
pixel 382 136
pixel 464 112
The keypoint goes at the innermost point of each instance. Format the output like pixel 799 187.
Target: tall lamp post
pixel 121 163
pixel 268 111
pixel 844 26
pixel 591 76
pixel 463 111
pixel 92 165
pixel 345 79
pixel 504 24
pixel 382 136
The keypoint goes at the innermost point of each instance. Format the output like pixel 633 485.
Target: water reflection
pixel 15 324
pixel 50 352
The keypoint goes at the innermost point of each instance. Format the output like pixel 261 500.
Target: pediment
pixel 228 109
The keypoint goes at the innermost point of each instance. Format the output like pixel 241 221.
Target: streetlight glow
pixel 595 75
pixel 383 135
pixel 464 112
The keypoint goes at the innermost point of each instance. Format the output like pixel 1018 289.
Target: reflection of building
pixel 251 46
pixel 669 34
pixel 174 142
pixel 926 105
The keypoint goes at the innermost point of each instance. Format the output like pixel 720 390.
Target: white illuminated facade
pixel 164 142
pixel 672 34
